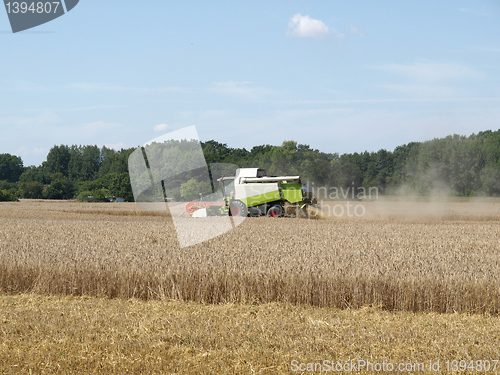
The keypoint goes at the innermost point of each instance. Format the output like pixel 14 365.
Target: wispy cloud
pixel 474 12
pixel 160 128
pixel 432 72
pixel 25 151
pixel 242 89
pixel 390 100
pixel 235 88
pixel 40 150
pixel 86 86
pixel 73 109
pixel 308 113
pixel 357 30
pixel 22 86
pixel 42 119
pixel 488 49
pixel 306 27
pixel 89 108
pixel 96 126
pixel 423 91
pixel 340 36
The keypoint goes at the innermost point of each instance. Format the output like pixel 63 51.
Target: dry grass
pixel 44 335
pixel 413 264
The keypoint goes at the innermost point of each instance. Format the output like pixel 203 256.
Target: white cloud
pixel 160 127
pixel 306 27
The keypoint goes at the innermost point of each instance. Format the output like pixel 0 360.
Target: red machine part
pixel 191 207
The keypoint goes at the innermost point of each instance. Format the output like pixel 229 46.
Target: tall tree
pixel 58 160
pixel 11 167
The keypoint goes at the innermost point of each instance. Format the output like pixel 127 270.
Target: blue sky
pixel 341 76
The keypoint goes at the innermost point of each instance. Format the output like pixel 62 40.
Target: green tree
pixel 11 167
pixel 215 152
pixel 114 161
pixel 58 160
pixel 118 185
pixel 38 174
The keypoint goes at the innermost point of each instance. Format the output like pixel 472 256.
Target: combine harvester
pixel 252 193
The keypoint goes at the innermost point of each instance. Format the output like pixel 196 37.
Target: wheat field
pixel 105 288
pixel 401 256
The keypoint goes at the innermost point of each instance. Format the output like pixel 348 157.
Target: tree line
pixel 459 165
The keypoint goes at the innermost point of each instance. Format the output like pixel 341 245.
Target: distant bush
pixel 31 190
pixel 60 188
pixel 97 195
pixel 7 196
pixel 10 187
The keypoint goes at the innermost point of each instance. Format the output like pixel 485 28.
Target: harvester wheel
pixel 238 208
pixel 275 211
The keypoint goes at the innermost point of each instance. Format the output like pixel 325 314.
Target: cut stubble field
pixel 417 260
